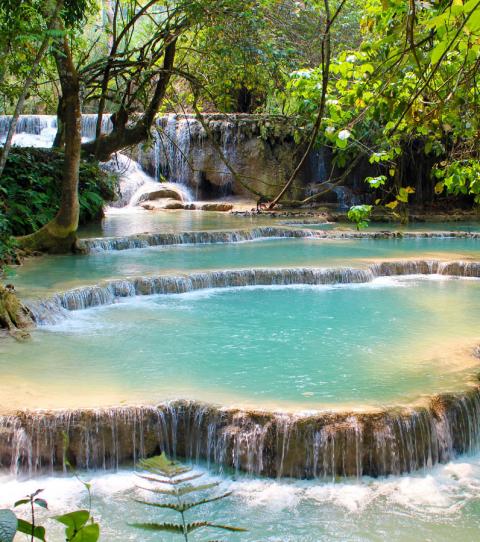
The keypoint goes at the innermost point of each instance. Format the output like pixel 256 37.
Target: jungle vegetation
pixel 387 81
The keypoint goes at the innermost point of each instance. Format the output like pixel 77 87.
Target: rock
pixel 161 193
pixel 161 204
pixel 216 206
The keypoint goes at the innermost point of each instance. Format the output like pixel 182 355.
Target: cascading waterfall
pixel 52 309
pixel 323 445
pixel 135 183
pixel 40 130
pixel 180 146
pixel 145 240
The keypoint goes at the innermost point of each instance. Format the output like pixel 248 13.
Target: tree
pixel 59 235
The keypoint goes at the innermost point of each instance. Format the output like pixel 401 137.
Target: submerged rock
pixel 216 206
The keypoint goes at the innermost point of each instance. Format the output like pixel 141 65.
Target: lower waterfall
pixel 324 445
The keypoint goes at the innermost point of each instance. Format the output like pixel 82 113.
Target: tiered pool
pixel 390 341
pixel 370 370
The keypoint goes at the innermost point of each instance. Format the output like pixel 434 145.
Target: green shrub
pixel 30 190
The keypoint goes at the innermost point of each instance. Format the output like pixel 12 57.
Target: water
pixel 40 130
pixel 441 505
pixel 390 341
pixel 141 221
pixel 467 226
pixel 45 274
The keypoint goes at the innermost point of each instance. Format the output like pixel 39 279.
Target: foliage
pixel 459 177
pixel 411 83
pixel 172 479
pixel 79 524
pixel 360 215
pixel 29 193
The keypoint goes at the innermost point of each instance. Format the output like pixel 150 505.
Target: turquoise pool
pixel 40 276
pixel 391 341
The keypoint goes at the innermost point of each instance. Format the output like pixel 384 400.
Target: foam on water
pixel 413 507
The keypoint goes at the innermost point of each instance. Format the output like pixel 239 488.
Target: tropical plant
pixel 172 479
pixel 79 524
pixel 360 215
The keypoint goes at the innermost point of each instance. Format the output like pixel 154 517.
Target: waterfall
pixel 135 183
pixel 40 130
pixel 318 444
pixel 52 309
pixel 322 445
pixel 145 240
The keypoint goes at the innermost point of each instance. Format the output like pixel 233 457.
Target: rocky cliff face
pixel 260 149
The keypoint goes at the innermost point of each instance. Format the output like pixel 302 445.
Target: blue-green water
pixel 395 226
pixel 129 222
pixel 49 273
pixel 390 341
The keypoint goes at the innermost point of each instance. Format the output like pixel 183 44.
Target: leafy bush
pixel 30 190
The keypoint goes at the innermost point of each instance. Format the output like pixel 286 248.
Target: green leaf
pixel 74 521
pixel 190 527
pixel 26 528
pixel 20 502
pixel 438 51
pixel 181 491
pixel 8 525
pixel 42 503
pixel 89 533
pixel 183 507
pixel 170 481
pixel 161 464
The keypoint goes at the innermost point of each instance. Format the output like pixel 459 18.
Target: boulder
pixel 161 204
pixel 161 193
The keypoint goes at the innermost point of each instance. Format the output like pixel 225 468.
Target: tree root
pixel 52 238
pixel 15 317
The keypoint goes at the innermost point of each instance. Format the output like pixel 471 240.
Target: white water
pixel 134 183
pixel 40 130
pixel 440 506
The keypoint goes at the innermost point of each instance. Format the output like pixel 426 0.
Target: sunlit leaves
pixel 360 215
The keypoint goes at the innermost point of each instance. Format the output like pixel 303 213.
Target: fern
pixel 162 470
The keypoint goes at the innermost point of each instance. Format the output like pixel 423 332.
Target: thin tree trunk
pixel 26 87
pixel 326 57
pixel 59 235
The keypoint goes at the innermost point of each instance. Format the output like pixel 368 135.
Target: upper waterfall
pixel 40 130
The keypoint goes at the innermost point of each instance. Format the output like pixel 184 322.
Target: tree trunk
pixel 59 235
pixel 59 141
pixel 26 87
